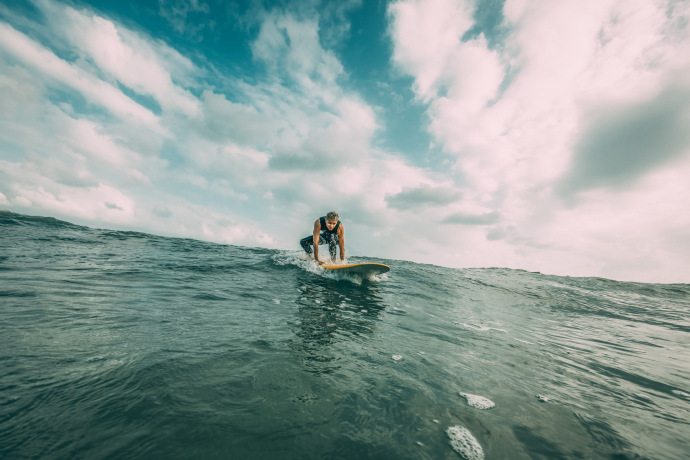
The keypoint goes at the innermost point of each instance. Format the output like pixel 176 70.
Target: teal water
pixel 128 345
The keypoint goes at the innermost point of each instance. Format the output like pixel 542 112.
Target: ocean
pixel 125 345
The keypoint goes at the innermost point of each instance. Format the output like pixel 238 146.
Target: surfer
pixel 327 230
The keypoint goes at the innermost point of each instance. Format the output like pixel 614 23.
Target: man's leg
pixel 332 244
pixel 307 244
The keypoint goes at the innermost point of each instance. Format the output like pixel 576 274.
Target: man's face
pixel 331 224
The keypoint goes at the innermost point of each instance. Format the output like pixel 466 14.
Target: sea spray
pixel 464 443
pixel 479 402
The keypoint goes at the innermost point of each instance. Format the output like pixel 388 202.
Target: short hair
pixel 332 216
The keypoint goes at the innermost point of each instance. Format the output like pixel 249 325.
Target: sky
pixel 549 136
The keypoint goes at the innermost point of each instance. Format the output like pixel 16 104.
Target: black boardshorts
pixel 331 239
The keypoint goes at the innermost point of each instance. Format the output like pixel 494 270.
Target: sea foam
pixel 479 402
pixel 464 443
pixel 479 327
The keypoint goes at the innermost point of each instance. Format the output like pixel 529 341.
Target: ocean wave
pixel 166 343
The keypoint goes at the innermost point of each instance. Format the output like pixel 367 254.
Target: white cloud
pixel 99 203
pixel 291 47
pixel 39 58
pixel 186 219
pixel 624 143
pixel 472 219
pixel 144 65
pixel 412 198
pixel 325 140
pixel 311 123
pixel 426 35
pixel 74 151
pixel 254 162
pixel 574 73
pixel 223 120
pixel 213 173
pixel 72 173
pixel 178 13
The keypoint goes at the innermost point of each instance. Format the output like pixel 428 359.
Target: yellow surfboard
pixel 364 270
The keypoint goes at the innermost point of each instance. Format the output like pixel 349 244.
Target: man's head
pixel 331 219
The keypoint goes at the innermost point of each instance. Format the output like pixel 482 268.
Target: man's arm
pixel 341 241
pixel 317 235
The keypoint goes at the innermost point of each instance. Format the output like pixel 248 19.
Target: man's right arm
pixel 317 235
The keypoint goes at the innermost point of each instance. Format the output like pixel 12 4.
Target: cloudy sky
pixel 551 136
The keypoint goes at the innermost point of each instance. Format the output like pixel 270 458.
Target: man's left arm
pixel 341 241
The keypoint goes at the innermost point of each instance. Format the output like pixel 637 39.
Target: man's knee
pixel 306 244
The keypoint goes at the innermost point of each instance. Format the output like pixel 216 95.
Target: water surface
pixel 128 345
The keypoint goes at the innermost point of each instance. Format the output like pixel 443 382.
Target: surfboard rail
pixel 363 269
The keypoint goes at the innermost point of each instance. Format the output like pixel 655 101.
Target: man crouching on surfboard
pixel 327 229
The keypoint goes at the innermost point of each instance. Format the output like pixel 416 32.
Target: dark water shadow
pixel 330 312
pixel 537 445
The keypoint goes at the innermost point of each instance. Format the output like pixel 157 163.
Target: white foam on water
pixel 299 259
pixel 307 263
pixel 680 393
pixel 464 443
pixel 479 402
pixel 525 341
pixel 379 278
pixel 340 275
pixel 479 327
pixel 276 301
pixel 397 357
pixel 542 398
